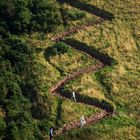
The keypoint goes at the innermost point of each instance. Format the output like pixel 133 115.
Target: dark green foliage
pixel 43 126
pixel 46 15
pixel 60 48
pixel 69 15
pixel 75 15
pixel 26 112
pixel 2 126
pixel 16 14
pixel 16 62
pixel 59 113
pixel 30 15
pixel 57 49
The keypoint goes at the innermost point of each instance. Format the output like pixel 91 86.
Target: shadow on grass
pixel 59 113
pixel 104 58
pixel 47 54
pixel 100 103
pixel 89 8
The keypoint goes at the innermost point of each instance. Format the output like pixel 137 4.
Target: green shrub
pixel 45 12
pixel 2 125
pixel 69 15
pixel 57 49
pixel 30 15
pixel 72 15
pixel 60 48
pixel 15 98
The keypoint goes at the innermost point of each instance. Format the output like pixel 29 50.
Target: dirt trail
pixel 76 74
pixel 76 124
pixel 75 29
pixel 56 88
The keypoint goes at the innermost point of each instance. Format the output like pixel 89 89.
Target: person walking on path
pixel 82 121
pixel 51 133
pixel 73 96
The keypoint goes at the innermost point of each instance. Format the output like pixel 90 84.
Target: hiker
pixel 82 121
pixel 73 96
pixel 51 133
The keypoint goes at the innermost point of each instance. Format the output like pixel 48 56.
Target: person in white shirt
pixel 82 121
pixel 73 96
pixel 51 133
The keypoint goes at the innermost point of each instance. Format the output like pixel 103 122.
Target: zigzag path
pixel 75 29
pixel 57 87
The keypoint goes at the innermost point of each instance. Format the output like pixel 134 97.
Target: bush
pixel 69 15
pixel 46 15
pixel 72 15
pixel 15 73
pixel 57 49
pixel 2 125
pixel 34 15
pixel 60 48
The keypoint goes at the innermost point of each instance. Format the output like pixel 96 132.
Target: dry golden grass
pixel 72 111
pixel 87 85
pixel 68 110
pixel 70 63
pixel 120 39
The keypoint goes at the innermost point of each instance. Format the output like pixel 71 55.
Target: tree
pixel 46 15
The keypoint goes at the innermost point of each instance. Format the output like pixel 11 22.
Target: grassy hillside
pixel 120 40
pixel 118 37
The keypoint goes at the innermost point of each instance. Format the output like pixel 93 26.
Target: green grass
pixel 86 85
pixel 71 62
pixel 120 127
pixel 120 83
pixel 66 111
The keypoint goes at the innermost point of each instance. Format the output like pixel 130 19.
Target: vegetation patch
pixel 57 49
pixel 101 103
pixel 30 63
